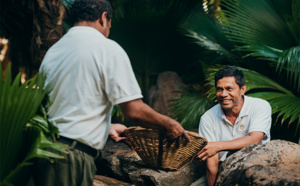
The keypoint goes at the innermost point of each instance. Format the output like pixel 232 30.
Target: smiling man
pixel 234 123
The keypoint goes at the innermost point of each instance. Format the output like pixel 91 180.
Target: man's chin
pixel 226 107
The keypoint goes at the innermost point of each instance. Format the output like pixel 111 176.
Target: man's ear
pixel 243 88
pixel 103 19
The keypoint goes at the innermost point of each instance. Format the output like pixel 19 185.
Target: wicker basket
pixel 149 145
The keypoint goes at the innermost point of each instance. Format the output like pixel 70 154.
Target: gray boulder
pixel 167 87
pixel 274 163
pixel 127 166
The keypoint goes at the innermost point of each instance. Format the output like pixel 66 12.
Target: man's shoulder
pixel 116 47
pixel 213 112
pixel 256 102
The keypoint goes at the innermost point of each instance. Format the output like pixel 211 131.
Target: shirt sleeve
pixel 206 129
pixel 261 119
pixel 120 83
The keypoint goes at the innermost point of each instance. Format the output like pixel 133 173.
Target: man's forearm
pixel 140 113
pixel 239 143
pixel 212 169
pixel 214 147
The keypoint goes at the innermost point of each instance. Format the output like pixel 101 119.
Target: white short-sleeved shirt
pixel 87 74
pixel 255 115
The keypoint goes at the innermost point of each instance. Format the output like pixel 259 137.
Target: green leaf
pixel 257 22
pixel 290 61
pixel 262 52
pixel 18 104
pixel 189 107
pixel 285 105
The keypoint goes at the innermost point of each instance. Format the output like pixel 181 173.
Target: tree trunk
pixel 47 29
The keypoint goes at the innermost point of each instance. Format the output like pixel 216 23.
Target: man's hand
pixel 115 132
pixel 175 132
pixel 141 114
pixel 209 150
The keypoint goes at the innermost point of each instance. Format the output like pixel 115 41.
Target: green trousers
pixel 76 169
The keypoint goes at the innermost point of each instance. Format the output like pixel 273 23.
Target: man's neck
pixel 233 114
pixel 93 24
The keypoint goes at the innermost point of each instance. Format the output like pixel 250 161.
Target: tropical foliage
pixel 256 35
pixel 147 30
pixel 25 132
pixel 253 34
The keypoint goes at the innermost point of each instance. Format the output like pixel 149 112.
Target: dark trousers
pixel 76 169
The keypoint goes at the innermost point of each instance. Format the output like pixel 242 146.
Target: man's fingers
pixel 204 158
pixel 200 151
pixel 187 136
pixel 121 138
pixel 201 156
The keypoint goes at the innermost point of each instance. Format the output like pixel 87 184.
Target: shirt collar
pixel 85 28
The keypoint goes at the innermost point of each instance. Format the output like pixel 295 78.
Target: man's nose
pixel 224 93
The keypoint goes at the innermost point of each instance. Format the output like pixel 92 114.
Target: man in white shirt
pixel 87 74
pixel 234 123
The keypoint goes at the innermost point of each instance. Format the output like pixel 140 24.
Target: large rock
pixel 160 95
pixel 127 166
pixel 274 163
pixel 106 181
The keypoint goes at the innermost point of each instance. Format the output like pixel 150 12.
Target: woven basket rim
pixel 172 157
pixel 194 134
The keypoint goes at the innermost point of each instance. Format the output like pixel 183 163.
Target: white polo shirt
pixel 255 115
pixel 88 74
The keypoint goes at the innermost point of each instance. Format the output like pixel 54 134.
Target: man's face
pixel 229 94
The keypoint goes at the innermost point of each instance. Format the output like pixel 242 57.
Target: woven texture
pixel 150 146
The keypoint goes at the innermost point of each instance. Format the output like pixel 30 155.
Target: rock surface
pixel 124 164
pixel 275 163
pixel 160 95
pixel 106 181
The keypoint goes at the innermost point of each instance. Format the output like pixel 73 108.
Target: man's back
pixel 79 68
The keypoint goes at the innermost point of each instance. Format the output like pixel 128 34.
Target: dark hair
pixel 89 10
pixel 229 71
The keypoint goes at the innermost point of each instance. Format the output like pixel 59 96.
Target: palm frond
pixel 292 16
pixel 290 61
pixel 39 149
pixel 255 80
pixel 287 106
pixel 189 107
pixel 18 104
pixel 208 33
pixel 208 44
pixel 258 22
pixel 261 52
